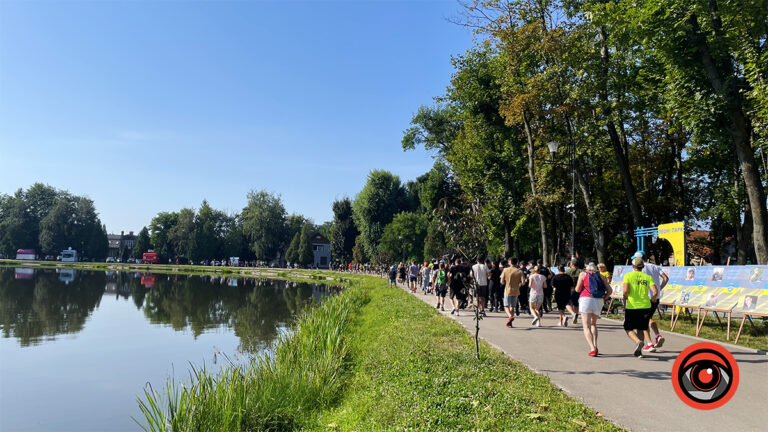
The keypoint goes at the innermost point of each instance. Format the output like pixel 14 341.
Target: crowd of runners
pixel 513 287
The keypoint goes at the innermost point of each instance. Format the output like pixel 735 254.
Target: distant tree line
pixel 50 220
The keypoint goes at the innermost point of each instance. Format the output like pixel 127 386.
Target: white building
pixel 321 247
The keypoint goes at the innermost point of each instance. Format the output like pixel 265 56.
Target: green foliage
pixel 292 254
pixel 50 220
pixel 344 231
pixel 305 255
pixel 403 238
pixel 358 251
pixel 381 198
pixel 142 243
pixel 264 219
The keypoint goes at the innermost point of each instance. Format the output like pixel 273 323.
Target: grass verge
pixel 413 369
pixel 756 337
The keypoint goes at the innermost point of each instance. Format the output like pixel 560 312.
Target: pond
pixel 78 347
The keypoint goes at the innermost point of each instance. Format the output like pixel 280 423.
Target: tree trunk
pixel 743 235
pixel 620 150
pixel 531 174
pixel 598 234
pixel 723 80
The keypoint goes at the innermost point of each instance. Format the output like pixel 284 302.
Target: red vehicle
pixel 150 257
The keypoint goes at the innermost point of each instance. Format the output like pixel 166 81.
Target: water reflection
pixel 35 307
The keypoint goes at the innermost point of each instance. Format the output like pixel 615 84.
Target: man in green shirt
pixel 638 306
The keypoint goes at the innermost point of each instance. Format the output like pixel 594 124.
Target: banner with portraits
pixel 739 288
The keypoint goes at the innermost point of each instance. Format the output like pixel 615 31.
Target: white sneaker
pixel 574 317
pixel 565 322
pixel 534 321
pixel 538 322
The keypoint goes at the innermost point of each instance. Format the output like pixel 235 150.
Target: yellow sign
pixel 674 233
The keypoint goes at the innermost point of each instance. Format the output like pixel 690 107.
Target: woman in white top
pixel 536 282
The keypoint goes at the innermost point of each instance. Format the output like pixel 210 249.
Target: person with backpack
pixel 440 278
pixel 593 289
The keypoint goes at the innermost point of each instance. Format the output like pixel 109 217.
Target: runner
pixel 495 288
pixel 426 271
pixel 480 274
pixel 393 275
pixel 660 279
pixel 638 306
pixel 536 282
pixel 522 304
pixel 441 289
pixel 456 277
pixel 593 289
pixel 573 304
pixel 562 283
pixel 400 270
pixel 413 274
pixel 544 271
pixel 511 278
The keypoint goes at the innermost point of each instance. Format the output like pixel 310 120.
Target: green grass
pixel 413 369
pixel 284 390
pixel 756 338
pixel 370 358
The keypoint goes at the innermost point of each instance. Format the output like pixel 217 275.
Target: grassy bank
pixel 282 391
pixel 756 337
pixel 372 358
pixel 413 369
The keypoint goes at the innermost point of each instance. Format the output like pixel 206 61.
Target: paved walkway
pixel 633 392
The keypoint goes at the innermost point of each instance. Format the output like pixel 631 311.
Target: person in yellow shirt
pixel 637 287
pixel 604 271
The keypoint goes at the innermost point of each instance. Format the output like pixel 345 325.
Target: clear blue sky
pixel 154 106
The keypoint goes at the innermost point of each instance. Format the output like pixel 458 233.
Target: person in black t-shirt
pixel 562 283
pixel 522 303
pixel 544 271
pixel 496 290
pixel 455 286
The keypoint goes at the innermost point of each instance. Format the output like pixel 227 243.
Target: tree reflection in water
pixel 256 309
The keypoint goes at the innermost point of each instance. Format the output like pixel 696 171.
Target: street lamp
pixel 553 146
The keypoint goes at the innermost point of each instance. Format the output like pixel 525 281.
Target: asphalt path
pixel 633 392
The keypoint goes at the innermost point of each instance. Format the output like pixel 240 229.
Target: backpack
pixel 440 277
pixel 595 285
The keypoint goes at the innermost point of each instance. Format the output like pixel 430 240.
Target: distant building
pixel 118 242
pixel 321 247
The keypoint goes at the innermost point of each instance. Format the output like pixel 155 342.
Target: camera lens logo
pixel 705 376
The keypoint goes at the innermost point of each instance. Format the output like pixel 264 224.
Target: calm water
pixel 78 347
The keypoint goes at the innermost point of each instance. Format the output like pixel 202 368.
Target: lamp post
pixel 570 154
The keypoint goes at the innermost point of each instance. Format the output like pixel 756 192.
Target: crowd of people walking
pixel 515 287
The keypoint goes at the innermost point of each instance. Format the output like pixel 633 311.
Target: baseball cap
pixel 638 254
pixel 638 262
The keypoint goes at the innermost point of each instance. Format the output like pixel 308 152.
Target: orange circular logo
pixel 705 376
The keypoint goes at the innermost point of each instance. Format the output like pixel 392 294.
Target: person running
pixel 544 271
pixel 440 277
pixel 511 278
pixel 413 274
pixel 480 274
pixel 495 289
pixel 393 275
pixel 522 304
pixel 456 285
pixel 660 279
pixel 638 305
pixel 536 283
pixel 426 271
pixel 593 289
pixel 562 283
pixel 400 270
pixel 573 271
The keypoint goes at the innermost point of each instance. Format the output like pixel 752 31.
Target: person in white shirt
pixel 480 274
pixel 536 282
pixel 660 279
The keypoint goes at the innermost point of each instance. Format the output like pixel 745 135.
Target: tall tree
pixel 344 231
pixel 381 198
pixel 142 243
pixel 264 219
pixel 306 255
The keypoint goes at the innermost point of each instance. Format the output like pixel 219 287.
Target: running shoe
pixel 453 311
pixel 593 353
pixel 438 305
pixel 659 341
pixel 565 321
pixel 538 322
pixel 638 349
pixel 442 309
pixel 509 322
pixel 534 321
pixel 574 317
pixel 649 348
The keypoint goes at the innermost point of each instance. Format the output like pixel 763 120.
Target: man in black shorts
pixel 457 277
pixel 562 284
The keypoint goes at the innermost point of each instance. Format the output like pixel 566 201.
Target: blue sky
pixel 154 106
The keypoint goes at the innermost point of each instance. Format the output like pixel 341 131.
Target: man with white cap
pixel 660 279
